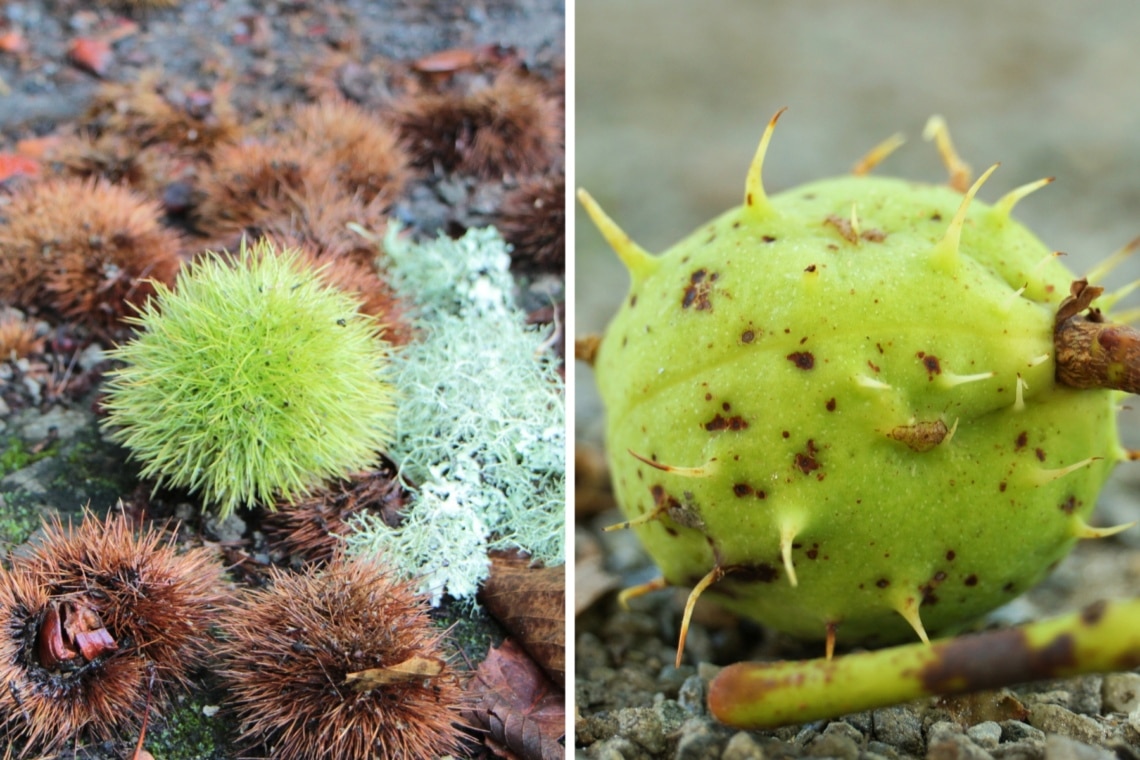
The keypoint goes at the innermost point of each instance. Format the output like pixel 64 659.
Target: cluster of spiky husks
pixel 310 528
pixel 84 250
pixel 98 624
pixel 533 220
pixel 18 336
pixel 342 661
pixel 251 381
pixel 511 127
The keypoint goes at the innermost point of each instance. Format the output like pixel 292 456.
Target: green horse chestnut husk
pixel 863 409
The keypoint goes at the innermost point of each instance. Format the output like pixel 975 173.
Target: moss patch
pixel 189 734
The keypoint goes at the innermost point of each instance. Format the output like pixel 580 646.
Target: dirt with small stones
pixel 632 702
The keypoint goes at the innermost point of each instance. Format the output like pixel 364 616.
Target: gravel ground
pixel 671 100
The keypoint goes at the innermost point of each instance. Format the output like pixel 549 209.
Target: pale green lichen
pixel 251 381
pixel 479 427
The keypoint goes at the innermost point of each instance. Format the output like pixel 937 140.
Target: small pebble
pixel 953 746
pixel 1054 719
pixel 899 727
pixel 691 695
pixel 642 725
pixel 700 740
pixel 1064 748
pixel 1016 730
pixel 985 735
pixel 743 747
pixel 1121 692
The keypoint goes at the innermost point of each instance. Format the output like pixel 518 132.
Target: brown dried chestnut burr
pixel 99 625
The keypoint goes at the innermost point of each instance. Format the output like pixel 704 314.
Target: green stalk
pixel 1103 637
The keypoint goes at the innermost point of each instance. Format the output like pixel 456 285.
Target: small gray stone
pixel 877 749
pixel 1054 719
pixel 951 746
pixel 700 740
pixel 642 725
pixel 941 730
pixel 838 740
pixel 862 721
pixel 232 528
pixel 617 748
pixel 671 678
pixel 691 695
pixel 671 715
pixel 1121 692
pixel 65 422
pixel 1064 748
pixel 1086 695
pixel 743 747
pixel 1016 731
pixel 1020 750
pixel 985 735
pixel 91 356
pixel 899 727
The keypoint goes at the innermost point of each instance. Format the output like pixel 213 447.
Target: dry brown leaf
pixel 412 669
pixel 593 493
pixel 591 579
pixel 523 712
pixel 530 602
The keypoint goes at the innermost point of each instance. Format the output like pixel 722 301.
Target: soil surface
pixel 57 56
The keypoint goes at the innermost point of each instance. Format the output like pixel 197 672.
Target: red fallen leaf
pixel 12 165
pixel 446 60
pixel 90 54
pixel 520 707
pixel 12 41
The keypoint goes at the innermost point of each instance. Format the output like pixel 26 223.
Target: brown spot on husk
pixel 806 461
pixel 718 423
pixel 698 290
pixel 1092 614
pixel 931 363
pixel 802 359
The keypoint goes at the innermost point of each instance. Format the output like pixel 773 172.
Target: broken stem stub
pixel 1092 353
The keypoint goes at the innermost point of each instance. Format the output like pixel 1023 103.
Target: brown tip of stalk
pixel 586 349
pixel 1092 353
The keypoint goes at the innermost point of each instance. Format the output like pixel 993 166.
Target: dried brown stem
pixel 1092 353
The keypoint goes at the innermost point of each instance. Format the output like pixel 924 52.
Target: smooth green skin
pixel 958 529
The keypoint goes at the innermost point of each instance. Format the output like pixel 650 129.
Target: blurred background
pixel 672 97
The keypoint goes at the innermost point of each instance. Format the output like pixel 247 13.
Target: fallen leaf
pixel 446 60
pixel 12 165
pixel 521 709
pixel 412 669
pixel 12 41
pixel 593 493
pixel 90 54
pixel 530 602
pixel 591 579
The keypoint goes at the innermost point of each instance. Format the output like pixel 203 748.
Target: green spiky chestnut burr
pixel 837 409
pixel 251 381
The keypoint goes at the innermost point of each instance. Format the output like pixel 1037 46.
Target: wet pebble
pixel 1054 719
pixel 1120 692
